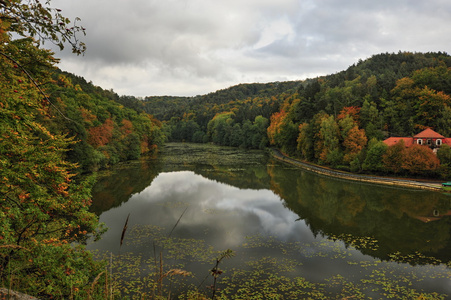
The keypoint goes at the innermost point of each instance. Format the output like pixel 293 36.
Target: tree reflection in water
pixel 277 218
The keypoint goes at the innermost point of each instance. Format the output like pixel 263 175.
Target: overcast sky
pixel 194 47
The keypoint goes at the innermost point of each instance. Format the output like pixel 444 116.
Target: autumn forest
pixel 338 120
pixel 57 130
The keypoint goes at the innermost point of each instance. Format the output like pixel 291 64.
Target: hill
pixel 333 120
pixel 340 119
pixel 105 130
pixel 368 83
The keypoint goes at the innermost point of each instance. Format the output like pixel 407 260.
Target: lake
pixel 294 234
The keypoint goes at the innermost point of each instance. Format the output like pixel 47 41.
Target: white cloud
pixel 189 47
pixel 206 199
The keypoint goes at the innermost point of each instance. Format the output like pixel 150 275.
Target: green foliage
pixel 106 131
pixel 334 157
pixel 389 94
pixel 394 94
pixel 187 118
pixel 444 155
pixel 329 134
pixel 42 22
pixel 224 130
pixel 386 95
pixel 373 159
pixel 44 207
pixel 305 142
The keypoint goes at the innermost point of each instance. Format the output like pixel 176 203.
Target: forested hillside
pixel 106 132
pixel 44 206
pixel 333 120
pixel 340 120
pixel 53 127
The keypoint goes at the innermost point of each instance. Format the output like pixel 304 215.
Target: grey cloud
pixel 188 47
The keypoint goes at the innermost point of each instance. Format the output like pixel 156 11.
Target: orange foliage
pixel 87 115
pixel 188 116
pixel 144 146
pixel 354 143
pixel 101 135
pixel 353 111
pixel 404 88
pixel 154 121
pixel 418 159
pixel 322 157
pixel 356 140
pixel 430 104
pixel 273 129
pixel 127 127
pixel 394 156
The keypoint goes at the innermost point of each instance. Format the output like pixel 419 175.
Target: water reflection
pixel 400 220
pixel 224 198
pixel 221 213
pixel 247 193
pixel 115 186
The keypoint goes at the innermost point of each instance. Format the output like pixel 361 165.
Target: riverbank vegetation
pixel 106 132
pixel 392 228
pixel 339 120
pixel 55 126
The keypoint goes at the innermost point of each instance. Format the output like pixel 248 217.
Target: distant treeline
pixel 337 120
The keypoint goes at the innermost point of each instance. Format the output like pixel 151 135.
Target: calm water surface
pixel 293 232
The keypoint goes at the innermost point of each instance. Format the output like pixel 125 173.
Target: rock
pixel 6 294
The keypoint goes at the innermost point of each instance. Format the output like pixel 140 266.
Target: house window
pixel 420 142
pixel 438 142
pixel 429 142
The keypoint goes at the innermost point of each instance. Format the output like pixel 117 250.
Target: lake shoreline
pixel 312 233
pixel 432 186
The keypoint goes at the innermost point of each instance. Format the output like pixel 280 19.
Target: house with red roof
pixel 427 137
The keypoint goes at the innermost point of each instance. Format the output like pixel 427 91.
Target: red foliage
pixel 353 111
pixel 101 135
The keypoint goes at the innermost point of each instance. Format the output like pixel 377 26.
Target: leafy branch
pixel 43 22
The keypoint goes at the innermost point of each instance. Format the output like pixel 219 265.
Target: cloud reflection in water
pixel 225 214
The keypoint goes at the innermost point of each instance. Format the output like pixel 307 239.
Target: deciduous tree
pixel 420 159
pixel 444 155
pixel 373 160
pixel 282 132
pixel 394 157
pixel 32 19
pixel 305 142
pixel 44 208
pixel 329 133
pixel 354 142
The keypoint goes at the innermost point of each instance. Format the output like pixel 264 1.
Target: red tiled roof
pixel 425 134
pixel 429 133
pixel 408 141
